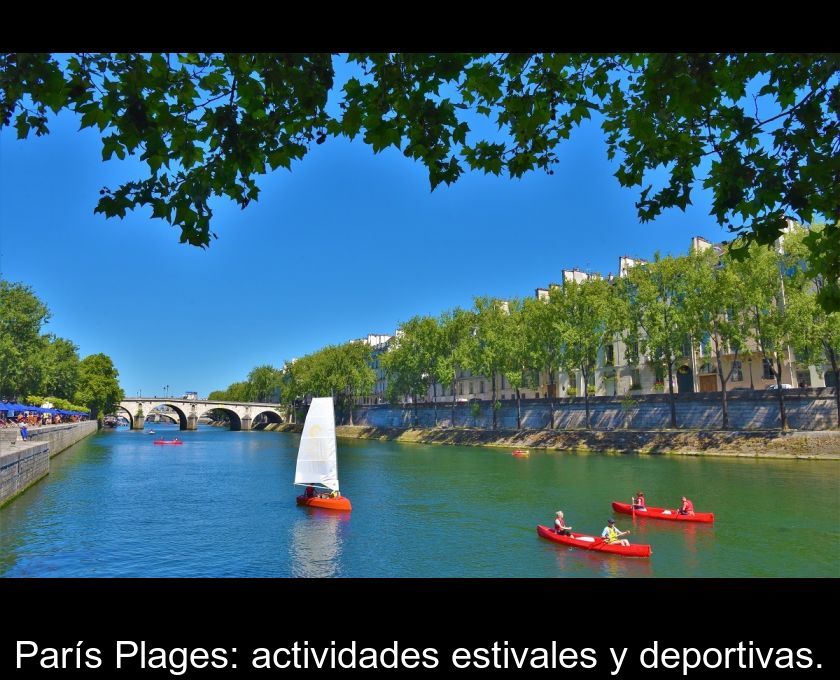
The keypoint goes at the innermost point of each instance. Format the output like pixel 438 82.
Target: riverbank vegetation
pixel 33 363
pixel 738 300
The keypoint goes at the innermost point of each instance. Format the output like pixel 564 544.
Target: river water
pixel 223 504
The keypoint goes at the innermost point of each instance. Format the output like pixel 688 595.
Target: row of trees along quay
pixel 760 132
pixel 761 301
pixel 38 367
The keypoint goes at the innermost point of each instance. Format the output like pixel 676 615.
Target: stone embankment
pixel 22 463
pixel 750 443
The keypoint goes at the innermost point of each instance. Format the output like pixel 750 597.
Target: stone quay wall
pixel 22 463
pixel 21 466
pixel 807 409
pixel 61 437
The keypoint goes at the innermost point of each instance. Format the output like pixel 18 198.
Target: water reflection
pixel 572 560
pixel 317 543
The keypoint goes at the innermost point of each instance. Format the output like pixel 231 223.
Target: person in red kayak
pixel 639 501
pixel 560 525
pixel 612 535
pixel 687 507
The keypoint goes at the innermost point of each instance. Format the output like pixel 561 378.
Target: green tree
pixel 714 298
pixel 60 361
pixel 517 357
pixel 778 319
pixel 340 371
pixel 654 295
pixel 98 387
pixel 585 318
pixel 411 360
pixel 21 346
pixel 485 346
pixel 758 130
pixel 263 382
pixel 454 328
pixel 541 344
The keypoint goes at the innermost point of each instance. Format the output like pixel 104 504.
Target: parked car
pixel 785 386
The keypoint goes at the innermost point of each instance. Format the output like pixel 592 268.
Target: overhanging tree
pixel 760 131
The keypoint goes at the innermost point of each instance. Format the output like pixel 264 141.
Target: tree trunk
pixel 551 418
pixel 493 394
pixel 782 411
pixel 416 417
pixel 518 410
pixel 350 409
pixel 453 402
pixel 723 379
pixel 586 397
pixel 434 399
pixel 832 355
pixel 671 394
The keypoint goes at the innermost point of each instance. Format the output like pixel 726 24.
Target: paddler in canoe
pixel 687 507
pixel 560 525
pixel 612 535
pixel 638 501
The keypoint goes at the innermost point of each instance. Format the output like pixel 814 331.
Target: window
pixel 481 391
pixel 706 367
pixel 471 387
pixel 768 369
pixel 609 359
pixel 635 379
pixel 461 388
pixel 737 373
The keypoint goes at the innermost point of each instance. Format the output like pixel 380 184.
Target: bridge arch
pixel 122 410
pixel 182 416
pixel 265 417
pixel 233 417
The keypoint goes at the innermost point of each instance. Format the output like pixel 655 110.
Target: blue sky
pixel 346 243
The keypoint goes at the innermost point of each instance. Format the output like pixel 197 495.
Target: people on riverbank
pixel 560 524
pixel 612 535
pixel 687 507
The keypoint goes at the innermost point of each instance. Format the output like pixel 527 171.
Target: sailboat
pixel 316 461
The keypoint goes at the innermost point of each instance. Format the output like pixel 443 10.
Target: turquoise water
pixel 223 505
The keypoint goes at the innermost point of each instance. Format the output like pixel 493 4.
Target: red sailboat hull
pixel 341 503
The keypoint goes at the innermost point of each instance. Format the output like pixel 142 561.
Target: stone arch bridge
pixel 188 411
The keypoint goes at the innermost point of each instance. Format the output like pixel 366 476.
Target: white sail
pixel 316 461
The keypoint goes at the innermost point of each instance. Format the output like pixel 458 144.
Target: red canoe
pixel 174 442
pixel 340 503
pixel 595 543
pixel 663 513
pixel 521 453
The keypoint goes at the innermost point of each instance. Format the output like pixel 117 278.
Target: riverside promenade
pixel 22 463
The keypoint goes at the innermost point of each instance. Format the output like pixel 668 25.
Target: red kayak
pixel 174 442
pixel 595 543
pixel 663 513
